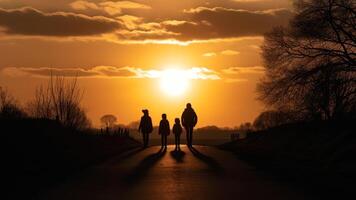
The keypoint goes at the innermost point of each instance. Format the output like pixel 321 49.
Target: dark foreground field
pixel 37 154
pixel 318 157
pixel 44 160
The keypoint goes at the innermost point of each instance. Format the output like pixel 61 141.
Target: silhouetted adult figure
pixel 189 120
pixel 145 127
pixel 164 130
pixel 177 131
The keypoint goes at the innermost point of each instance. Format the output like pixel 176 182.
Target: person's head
pixel 164 116
pixel 177 120
pixel 145 111
pixel 189 105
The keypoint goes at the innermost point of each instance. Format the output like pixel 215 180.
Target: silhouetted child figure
pixel 177 131
pixel 164 130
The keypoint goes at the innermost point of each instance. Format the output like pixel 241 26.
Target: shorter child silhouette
pixel 164 130
pixel 177 131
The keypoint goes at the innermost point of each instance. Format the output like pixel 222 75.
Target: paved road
pixel 200 173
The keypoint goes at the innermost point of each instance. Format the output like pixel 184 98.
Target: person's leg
pixel 175 141
pixel 147 139
pixel 187 135
pixel 162 140
pixel 165 140
pixel 144 138
pixel 178 141
pixel 146 142
pixel 191 136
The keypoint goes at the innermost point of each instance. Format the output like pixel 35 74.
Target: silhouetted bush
pixel 273 118
pixel 9 109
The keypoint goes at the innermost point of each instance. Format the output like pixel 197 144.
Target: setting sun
pixel 174 82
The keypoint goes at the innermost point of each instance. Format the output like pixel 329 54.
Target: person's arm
pixel 182 118
pixel 150 124
pixel 195 118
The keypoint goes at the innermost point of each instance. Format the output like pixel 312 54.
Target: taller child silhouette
pixel 164 130
pixel 189 120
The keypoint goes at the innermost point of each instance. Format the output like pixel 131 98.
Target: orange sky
pixel 117 48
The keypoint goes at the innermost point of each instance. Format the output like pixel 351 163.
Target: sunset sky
pixel 154 54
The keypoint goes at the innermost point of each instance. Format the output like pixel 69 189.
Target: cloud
pixel 235 80
pixel 218 22
pixel 241 74
pixel 256 47
pixel 246 0
pixel 193 25
pixel 230 53
pixel 224 52
pixel 109 7
pixel 244 70
pixel 99 71
pixel 202 24
pixel 83 5
pixel 29 21
pixel 209 54
pixel 129 21
pixel 228 75
pixel 111 72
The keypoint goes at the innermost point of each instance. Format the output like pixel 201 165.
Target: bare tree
pixel 41 106
pixel 8 106
pixel 60 100
pixel 108 120
pixel 5 98
pixel 310 65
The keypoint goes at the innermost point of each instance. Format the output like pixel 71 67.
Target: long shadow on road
pixel 142 168
pixel 178 155
pixel 213 164
pixel 127 155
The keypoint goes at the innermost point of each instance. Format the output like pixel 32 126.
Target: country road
pixel 199 173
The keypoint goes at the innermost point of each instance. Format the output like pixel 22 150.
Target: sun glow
pixel 174 82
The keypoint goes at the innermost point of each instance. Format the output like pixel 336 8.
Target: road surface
pixel 201 173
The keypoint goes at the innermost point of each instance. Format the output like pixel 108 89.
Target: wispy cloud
pixel 229 75
pixel 235 80
pixel 209 54
pixel 33 22
pixel 109 7
pixel 112 72
pixel 230 53
pixel 113 21
pixel 224 52
pixel 83 5
pixel 244 70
